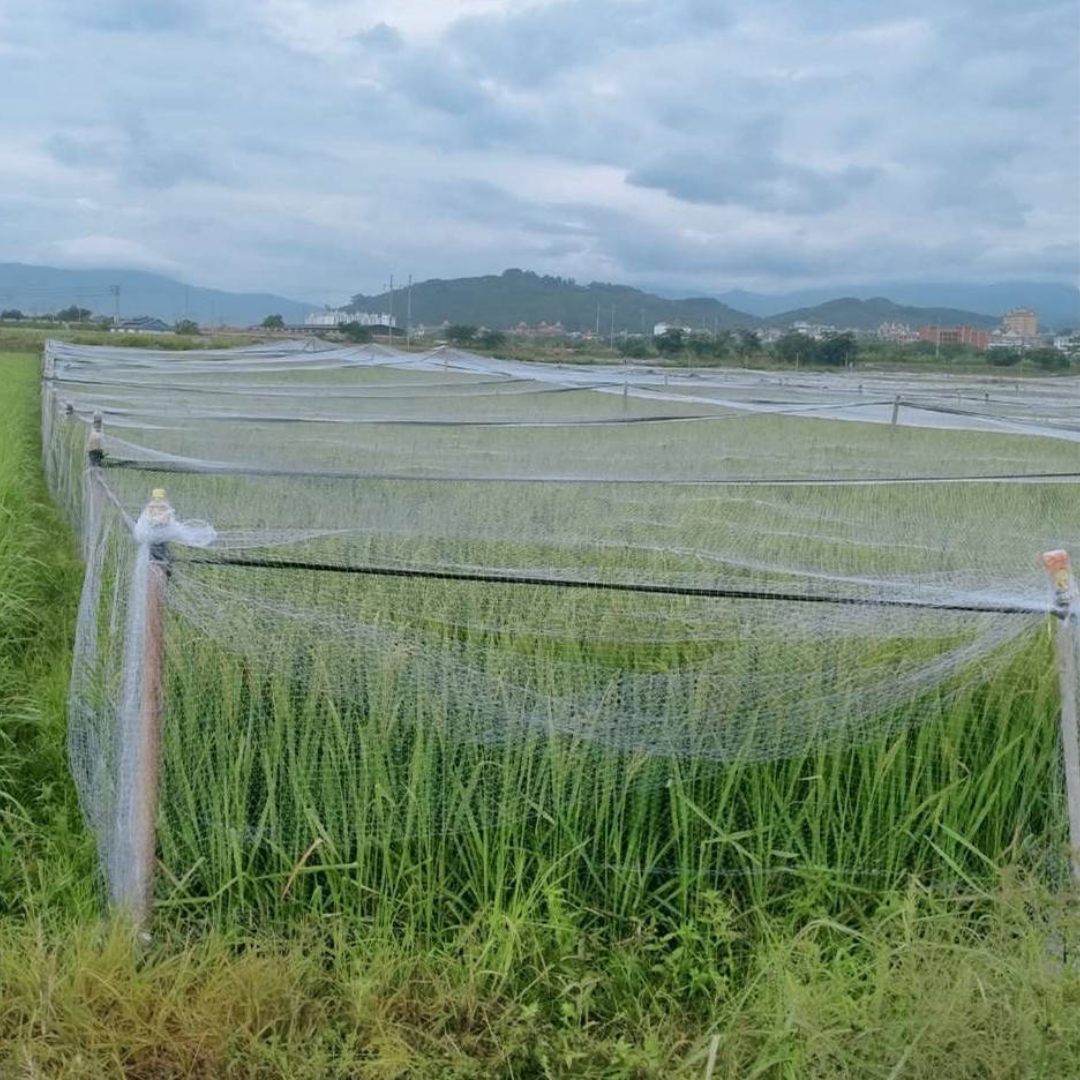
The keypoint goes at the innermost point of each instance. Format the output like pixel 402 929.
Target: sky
pixel 314 147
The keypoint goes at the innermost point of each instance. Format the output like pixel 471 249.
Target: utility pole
pixel 114 292
pixel 390 317
pixel 408 315
pixel 597 320
pixel 611 338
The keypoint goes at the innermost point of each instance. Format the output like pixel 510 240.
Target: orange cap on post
pixel 1059 568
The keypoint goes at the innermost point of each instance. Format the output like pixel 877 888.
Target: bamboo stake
pixel 1065 603
pixel 141 750
pixel 895 409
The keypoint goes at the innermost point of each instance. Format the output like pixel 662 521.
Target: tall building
pixel 955 335
pixel 1020 322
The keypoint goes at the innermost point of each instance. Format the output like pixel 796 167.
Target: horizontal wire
pixel 190 468
pixel 612 586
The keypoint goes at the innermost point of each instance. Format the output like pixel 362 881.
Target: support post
pixel 140 751
pixel 95 442
pixel 1066 599
pixel 895 410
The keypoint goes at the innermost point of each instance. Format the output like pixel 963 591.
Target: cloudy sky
pixel 313 147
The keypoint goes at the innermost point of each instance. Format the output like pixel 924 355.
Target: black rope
pixel 188 468
pixel 606 586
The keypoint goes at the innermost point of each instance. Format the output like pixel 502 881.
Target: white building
pixel 331 317
pixel 662 328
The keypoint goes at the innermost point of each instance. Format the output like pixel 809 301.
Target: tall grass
pixel 533 982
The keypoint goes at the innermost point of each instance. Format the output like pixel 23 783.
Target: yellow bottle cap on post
pixel 158 494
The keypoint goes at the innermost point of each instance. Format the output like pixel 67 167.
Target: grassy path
pixel 924 987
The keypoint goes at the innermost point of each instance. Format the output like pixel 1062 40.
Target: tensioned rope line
pixel 704 481
pixel 611 586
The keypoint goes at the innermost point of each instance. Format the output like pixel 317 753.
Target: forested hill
pixel 850 313
pixel 501 301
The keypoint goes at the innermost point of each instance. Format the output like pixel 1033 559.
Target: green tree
pixel 12 313
pixel 355 332
pixel 1049 359
pixel 186 326
pixel 274 322
pixel 491 339
pixel 74 314
pixel 461 334
pixel 795 349
pixel 838 350
pixel 722 340
pixel 671 342
pixel 748 342
pixel 701 345
pixel 633 348
pixel 1004 357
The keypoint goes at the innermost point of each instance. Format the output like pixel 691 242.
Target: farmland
pixel 486 827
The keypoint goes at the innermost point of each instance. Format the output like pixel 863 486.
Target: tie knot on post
pixel 1058 569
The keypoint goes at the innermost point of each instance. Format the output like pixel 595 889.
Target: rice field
pixel 842 674
pixel 416 827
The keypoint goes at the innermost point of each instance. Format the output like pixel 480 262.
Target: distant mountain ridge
pixel 851 313
pixel 41 289
pixel 502 301
pixel 1057 305
pixel 520 296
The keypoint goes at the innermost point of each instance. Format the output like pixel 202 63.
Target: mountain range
pixel 40 289
pixel 520 296
pixel 1057 305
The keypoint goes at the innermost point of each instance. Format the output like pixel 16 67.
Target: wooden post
pixel 140 753
pixel 895 410
pixel 1065 608
pixel 94 442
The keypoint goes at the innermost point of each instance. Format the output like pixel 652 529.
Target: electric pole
pixel 390 317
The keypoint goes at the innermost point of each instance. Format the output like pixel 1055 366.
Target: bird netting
pixel 417 594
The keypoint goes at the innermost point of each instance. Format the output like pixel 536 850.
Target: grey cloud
pixel 381 37
pixel 531 46
pixel 139 153
pixel 798 141
pixel 745 168
pixel 134 15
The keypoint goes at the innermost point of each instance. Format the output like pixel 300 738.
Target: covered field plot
pixel 438 629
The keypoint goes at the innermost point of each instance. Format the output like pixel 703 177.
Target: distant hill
pixel 851 313
pixel 519 296
pixel 42 289
pixel 1058 306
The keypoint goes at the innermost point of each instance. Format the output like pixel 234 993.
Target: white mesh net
pixel 415 580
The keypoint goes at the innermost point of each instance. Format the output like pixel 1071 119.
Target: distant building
pixel 143 324
pixel 955 335
pixel 332 317
pixel 817 331
pixel 662 328
pixel 1020 322
pixel 897 332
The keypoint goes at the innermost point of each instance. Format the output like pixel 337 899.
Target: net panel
pixel 419 596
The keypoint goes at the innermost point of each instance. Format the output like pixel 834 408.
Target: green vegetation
pixel 583 919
